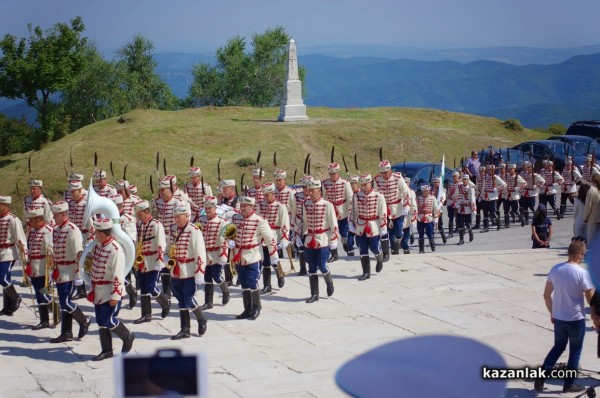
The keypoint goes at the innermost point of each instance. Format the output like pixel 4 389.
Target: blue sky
pixel 198 25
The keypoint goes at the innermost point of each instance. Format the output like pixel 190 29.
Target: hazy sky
pixel 197 25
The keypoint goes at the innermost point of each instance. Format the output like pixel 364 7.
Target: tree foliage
pixel 37 68
pixel 15 136
pixel 240 78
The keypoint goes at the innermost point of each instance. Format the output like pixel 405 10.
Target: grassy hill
pixel 234 133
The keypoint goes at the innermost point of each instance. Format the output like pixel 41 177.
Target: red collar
pixel 63 224
pixel 368 193
pixel 250 215
pixel 215 216
pixel 106 242
pixel 4 214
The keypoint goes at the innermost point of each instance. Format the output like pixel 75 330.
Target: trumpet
pixel 49 290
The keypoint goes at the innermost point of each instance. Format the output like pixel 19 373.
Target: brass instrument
pixel 139 257
pixel 87 265
pixel 49 290
pixel 172 254
pixel 26 280
pixel 229 231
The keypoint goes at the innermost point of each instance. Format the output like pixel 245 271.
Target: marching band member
pixel 428 211
pixel 256 191
pixel 37 200
pixel 441 199
pixel 129 200
pixel 571 176
pixel 531 189
pixel 353 180
pixel 297 212
pixel 553 182
pixel 77 207
pixel 450 205
pixel 251 231
pixel 276 214
pixel 197 192
pixel 101 187
pixel 370 223
pixel 229 197
pixel 216 252
pixel 479 192
pixel 464 197
pixel 492 184
pixel 178 194
pixel 165 205
pixel 67 248
pixel 12 240
pixel 39 243
pixel 514 185
pixel 338 192
pixel 151 239
pixel 409 210
pixel 188 246
pixel 320 226
pixel 284 195
pixel 128 225
pixel 108 277
pixel 73 177
pixel 393 188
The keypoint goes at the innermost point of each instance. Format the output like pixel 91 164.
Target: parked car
pixel 506 155
pixel 588 128
pixel 421 173
pixel 549 149
pixel 580 143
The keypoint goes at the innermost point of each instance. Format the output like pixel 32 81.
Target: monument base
pixel 292 113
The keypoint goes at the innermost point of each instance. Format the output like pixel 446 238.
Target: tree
pixel 15 136
pixel 37 68
pixel 143 87
pixel 241 79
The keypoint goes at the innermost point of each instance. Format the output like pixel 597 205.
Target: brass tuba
pixel 99 205
pixel 49 290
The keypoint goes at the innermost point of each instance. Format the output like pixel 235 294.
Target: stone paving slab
pixel 294 349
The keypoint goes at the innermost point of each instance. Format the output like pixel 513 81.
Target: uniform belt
pixel 6 245
pixel 318 231
pixel 368 218
pixel 84 231
pixel 149 253
pixel 425 212
pixel 65 262
pixel 102 282
pixel 248 247
pixel 339 203
pixel 31 257
pixel 213 249
pixel 394 202
pixel 274 227
pixel 185 260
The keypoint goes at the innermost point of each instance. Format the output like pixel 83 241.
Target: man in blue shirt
pixel 472 166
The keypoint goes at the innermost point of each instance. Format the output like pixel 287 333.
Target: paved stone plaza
pixel 491 291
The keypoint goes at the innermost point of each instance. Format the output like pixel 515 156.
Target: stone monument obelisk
pixel 292 108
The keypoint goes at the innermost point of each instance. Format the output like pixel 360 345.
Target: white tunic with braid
pixel 276 214
pixel 39 243
pixel 252 231
pixel 257 194
pixel 129 204
pixel 216 246
pixel 340 194
pixel 427 209
pixel 39 203
pixel 393 190
pixel 553 181
pixel 492 185
pixel 369 213
pixel 514 186
pixel 532 184
pixel 464 198
pixel 197 195
pixel 190 251
pixel 286 196
pixel 297 211
pixel 108 272
pixel 570 179
pixel 164 212
pixel 128 225
pixel 106 191
pixel 11 237
pixel 76 216
pixel 68 195
pixel 67 243
pixel 409 208
pixel 154 243
pixel 319 223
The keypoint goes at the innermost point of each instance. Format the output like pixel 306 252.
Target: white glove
pixel 405 211
pixel 299 241
pixel 78 282
pixel 383 232
pixel 282 245
pixel 199 278
pixel 158 267
pixel 333 244
pixel 231 244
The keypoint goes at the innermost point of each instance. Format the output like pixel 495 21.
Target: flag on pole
pixel 442 172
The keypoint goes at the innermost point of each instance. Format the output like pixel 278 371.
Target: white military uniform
pixel 251 233
pixel 105 191
pixel 569 180
pixel 427 209
pixel 164 210
pixel 190 251
pixel 11 236
pixel 39 243
pixel 552 181
pixel 154 243
pixel 216 246
pixel 369 213
pixel 276 214
pixel 393 190
pixel 409 208
pixel 532 184
pixel 39 203
pixel 319 223
pixel 108 272
pixel 339 194
pixel 197 195
pixel 76 215
pixel 514 185
pixel 67 243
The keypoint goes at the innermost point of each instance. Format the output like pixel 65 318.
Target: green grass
pixel 234 133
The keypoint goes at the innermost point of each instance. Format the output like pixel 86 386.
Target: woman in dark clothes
pixel 541 229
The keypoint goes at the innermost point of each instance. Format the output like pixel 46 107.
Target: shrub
pixel 513 124
pixel 245 162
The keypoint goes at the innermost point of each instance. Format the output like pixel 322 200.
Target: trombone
pixel 49 290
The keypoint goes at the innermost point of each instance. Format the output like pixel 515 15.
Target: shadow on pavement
pixel 55 354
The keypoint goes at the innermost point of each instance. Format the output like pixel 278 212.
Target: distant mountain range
pixel 536 86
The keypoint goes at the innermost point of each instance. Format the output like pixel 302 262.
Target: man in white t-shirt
pixel 570 283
